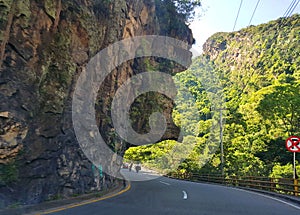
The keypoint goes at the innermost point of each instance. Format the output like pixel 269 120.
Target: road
pixel 168 196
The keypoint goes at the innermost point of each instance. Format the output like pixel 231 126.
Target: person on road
pixel 137 168
pixel 130 166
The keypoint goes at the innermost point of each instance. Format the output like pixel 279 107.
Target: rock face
pixel 44 45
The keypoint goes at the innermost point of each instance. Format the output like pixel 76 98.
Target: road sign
pixel 293 144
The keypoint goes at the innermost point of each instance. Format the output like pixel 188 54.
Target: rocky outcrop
pixel 12 134
pixel 44 45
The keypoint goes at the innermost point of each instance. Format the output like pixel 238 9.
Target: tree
pixel 280 104
pixel 185 9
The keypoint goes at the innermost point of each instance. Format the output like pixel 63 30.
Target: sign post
pixel 294 164
pixel 293 145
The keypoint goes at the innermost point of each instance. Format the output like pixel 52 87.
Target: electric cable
pixel 253 12
pixel 289 8
pixel 237 16
pixel 292 10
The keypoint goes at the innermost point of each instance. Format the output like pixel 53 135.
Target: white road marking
pixel 184 195
pixel 270 197
pixel 165 183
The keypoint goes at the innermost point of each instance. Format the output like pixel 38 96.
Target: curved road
pixel 168 196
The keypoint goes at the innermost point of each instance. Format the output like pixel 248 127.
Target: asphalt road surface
pixel 168 196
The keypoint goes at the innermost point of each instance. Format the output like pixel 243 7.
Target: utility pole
pixel 221 142
pixel 295 176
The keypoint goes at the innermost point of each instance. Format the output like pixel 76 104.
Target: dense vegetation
pixel 184 9
pixel 257 72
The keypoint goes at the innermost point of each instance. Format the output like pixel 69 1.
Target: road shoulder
pixel 59 205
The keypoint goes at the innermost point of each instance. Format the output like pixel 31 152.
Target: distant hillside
pixel 258 69
pixel 256 56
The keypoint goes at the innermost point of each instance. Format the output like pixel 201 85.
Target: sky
pixel 220 15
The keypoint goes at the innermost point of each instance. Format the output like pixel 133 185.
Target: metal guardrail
pixel 279 185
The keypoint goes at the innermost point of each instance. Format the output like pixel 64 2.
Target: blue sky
pixel 219 16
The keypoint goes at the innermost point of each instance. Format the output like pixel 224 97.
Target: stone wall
pixel 44 45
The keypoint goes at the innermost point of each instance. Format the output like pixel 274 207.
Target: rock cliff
pixel 44 46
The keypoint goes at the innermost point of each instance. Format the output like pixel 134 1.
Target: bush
pixel 285 171
pixel 8 173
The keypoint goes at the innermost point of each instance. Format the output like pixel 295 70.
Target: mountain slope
pixel 257 70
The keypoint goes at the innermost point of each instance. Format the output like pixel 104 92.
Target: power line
pixel 291 8
pixel 291 12
pixel 253 12
pixel 237 16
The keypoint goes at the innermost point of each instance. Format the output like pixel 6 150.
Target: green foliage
pixel 50 7
pixel 187 7
pixel 283 171
pixel 261 83
pixel 279 103
pixel 258 71
pixel 15 205
pixel 101 7
pixel 151 155
pixel 183 8
pixel 56 73
pixel 8 173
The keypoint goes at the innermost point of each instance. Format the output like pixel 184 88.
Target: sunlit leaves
pixel 280 103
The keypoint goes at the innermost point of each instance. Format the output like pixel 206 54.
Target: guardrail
pixel 279 185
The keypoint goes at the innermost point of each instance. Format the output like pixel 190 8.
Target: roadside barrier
pixel 279 185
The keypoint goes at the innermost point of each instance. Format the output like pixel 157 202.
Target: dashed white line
pixel 184 195
pixel 165 183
